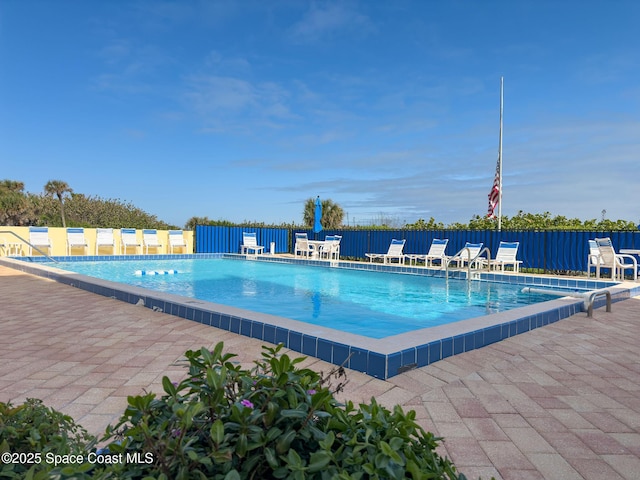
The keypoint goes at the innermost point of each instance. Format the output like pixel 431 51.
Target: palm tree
pixel 58 188
pixel 332 213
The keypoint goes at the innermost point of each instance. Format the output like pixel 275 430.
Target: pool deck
pixel 557 402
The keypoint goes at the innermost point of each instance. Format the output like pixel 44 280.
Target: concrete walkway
pixel 559 402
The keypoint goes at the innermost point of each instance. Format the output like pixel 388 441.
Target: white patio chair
pixel 39 238
pixel 330 249
pixel 75 239
pixel 128 239
pixel 176 240
pixel 302 246
pixel 506 255
pixel 150 240
pixel 104 238
pixel 250 244
pixel 436 252
pixel 395 251
pixel 616 261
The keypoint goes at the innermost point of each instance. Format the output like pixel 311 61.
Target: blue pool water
pixel 371 304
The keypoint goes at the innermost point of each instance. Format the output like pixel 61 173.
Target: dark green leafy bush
pixel 34 430
pixel 275 421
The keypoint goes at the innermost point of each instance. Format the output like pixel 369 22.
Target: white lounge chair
pixel 176 240
pixel 506 255
pixel 302 246
pixel 250 244
pixel 129 239
pixel 395 251
pixel 104 238
pixel 330 249
pixel 594 260
pixel 75 239
pixel 616 261
pixel 39 238
pixel 436 252
pixel 470 253
pixel 11 247
pixel 150 240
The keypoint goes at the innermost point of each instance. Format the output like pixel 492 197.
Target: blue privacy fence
pixel 545 250
pixel 228 239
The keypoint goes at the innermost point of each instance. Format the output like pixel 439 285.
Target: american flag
pixel 494 194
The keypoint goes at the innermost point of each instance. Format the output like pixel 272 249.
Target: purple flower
pixel 246 403
pixel 311 392
pixel 176 432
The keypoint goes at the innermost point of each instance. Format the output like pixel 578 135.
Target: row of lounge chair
pixel 329 249
pixel 471 255
pixel 39 239
pixel 601 254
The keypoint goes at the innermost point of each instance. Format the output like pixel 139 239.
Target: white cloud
pixel 606 68
pixel 237 105
pixel 323 21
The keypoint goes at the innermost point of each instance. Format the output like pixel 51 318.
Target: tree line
pixel 59 206
pixel 529 221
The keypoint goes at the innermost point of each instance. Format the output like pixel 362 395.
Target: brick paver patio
pixel 559 402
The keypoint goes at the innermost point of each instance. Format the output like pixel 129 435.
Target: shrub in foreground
pixel 273 421
pixel 31 431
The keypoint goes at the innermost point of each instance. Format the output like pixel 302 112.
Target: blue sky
pixel 241 110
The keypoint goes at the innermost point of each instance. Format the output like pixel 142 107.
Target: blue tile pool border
pixel 365 356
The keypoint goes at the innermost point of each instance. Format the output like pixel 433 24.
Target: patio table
pixel 316 244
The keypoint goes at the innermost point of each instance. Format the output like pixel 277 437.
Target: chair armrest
pixel 620 256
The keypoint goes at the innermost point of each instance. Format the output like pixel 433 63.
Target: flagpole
pixel 500 156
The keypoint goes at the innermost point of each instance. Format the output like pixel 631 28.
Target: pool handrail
pixel 488 250
pixel 471 260
pixel 30 244
pixel 588 298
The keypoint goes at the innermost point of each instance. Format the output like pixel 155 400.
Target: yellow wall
pixel 58 237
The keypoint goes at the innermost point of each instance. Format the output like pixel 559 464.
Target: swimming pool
pixel 377 357
pixel 372 304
